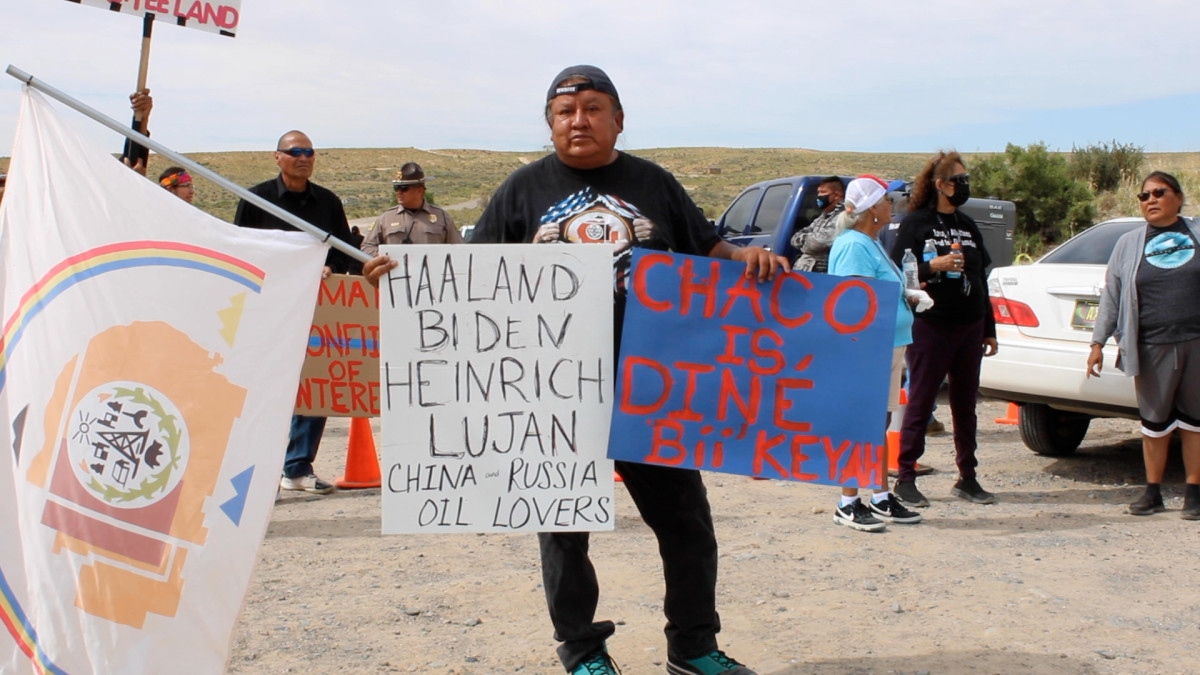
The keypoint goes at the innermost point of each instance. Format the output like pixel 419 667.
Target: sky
pixel 867 76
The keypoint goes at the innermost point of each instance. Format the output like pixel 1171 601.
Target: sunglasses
pixel 406 188
pixel 960 178
pixel 298 152
pixel 1157 192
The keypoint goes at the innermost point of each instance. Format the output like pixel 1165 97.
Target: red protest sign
pixel 340 377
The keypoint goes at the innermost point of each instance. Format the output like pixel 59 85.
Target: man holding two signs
pixel 587 191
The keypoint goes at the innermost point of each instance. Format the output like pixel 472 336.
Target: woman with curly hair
pixel 951 339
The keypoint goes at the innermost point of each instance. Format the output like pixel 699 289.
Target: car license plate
pixel 1084 316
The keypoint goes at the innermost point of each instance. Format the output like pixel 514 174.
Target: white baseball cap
pixel 864 192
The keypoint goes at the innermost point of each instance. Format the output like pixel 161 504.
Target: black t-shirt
pixel 316 205
pixel 1168 283
pixel 950 304
pixel 597 205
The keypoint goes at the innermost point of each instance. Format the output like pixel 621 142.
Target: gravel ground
pixel 1054 578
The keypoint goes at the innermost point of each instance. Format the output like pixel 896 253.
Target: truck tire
pixel 1050 432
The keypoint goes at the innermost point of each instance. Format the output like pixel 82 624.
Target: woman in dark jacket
pixel 951 338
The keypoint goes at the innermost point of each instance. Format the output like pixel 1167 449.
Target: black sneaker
pixel 712 663
pixel 598 663
pixel 1148 504
pixel 907 492
pixel 892 510
pixel 1191 502
pixel 857 515
pixel 969 489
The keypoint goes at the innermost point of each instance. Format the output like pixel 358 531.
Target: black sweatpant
pixel 674 503
pixel 939 351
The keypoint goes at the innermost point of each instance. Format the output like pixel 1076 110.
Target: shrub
pixel 1049 202
pixel 1104 167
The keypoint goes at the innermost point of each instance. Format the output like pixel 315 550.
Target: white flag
pixel 148 368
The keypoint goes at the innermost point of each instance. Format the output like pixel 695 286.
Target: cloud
pixel 868 76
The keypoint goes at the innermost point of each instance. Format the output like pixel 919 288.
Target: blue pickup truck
pixel 767 214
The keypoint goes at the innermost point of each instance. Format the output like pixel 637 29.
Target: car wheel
pixel 1050 432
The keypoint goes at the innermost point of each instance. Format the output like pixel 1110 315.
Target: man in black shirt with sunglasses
pixel 292 191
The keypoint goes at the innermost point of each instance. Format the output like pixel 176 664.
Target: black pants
pixel 674 503
pixel 938 351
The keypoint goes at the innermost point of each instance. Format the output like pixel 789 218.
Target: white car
pixel 1044 317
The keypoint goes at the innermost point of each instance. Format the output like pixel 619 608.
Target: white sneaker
pixel 309 483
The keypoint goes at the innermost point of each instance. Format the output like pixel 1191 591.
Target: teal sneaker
pixel 598 663
pixel 713 663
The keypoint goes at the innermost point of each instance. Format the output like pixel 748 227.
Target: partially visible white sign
pixel 214 16
pixel 496 388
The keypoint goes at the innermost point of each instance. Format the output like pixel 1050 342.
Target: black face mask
pixel 822 202
pixel 962 192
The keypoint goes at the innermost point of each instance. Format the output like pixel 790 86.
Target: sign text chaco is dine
pixel 340 377
pixel 786 379
pixel 496 388
pixel 213 16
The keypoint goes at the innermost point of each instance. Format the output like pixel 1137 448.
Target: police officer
pixel 412 220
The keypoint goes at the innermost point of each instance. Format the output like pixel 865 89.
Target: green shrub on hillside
pixel 1104 167
pixel 1050 203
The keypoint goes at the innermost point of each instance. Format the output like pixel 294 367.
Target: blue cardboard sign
pixel 786 379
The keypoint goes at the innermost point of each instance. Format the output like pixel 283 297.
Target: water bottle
pixel 909 263
pixel 955 249
pixel 929 254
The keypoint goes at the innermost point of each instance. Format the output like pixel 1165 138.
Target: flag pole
pixel 134 152
pixel 193 167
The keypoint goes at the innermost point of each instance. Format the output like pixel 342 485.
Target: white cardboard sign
pixel 213 16
pixel 496 388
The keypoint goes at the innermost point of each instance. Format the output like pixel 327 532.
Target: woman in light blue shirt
pixel 857 253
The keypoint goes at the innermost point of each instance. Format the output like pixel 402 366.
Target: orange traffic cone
pixel 362 464
pixel 893 450
pixel 893 442
pixel 1013 416
pixel 893 435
